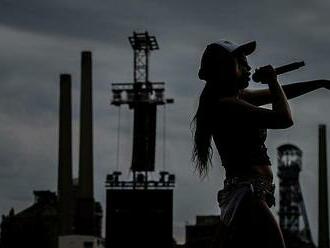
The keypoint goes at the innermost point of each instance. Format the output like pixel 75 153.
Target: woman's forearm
pixel 262 97
pixel 279 102
pixel 297 89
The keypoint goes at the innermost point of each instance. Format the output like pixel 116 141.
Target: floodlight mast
pixel 143 97
pixel 142 44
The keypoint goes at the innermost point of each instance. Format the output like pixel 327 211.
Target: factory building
pixel 202 234
pixel 70 218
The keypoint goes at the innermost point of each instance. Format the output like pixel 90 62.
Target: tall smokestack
pixel 86 128
pixel 323 190
pixel 65 191
pixel 85 190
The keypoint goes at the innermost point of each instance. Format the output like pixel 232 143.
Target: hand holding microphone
pixel 265 73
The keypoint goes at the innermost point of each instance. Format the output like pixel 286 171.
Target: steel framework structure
pixel 292 206
pixel 143 97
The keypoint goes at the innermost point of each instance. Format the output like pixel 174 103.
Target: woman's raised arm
pixel 263 96
pixel 243 112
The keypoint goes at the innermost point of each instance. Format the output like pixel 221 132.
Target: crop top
pixel 240 146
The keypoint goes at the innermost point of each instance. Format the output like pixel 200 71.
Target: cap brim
pixel 246 49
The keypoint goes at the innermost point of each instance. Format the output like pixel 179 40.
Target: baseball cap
pixel 232 47
pixel 215 51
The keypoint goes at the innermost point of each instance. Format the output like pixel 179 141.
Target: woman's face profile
pixel 230 71
pixel 242 71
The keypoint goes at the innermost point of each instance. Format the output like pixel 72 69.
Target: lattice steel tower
pixel 292 207
pixel 142 44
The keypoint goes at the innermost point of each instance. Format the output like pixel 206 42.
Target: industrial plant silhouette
pixel 71 215
pixel 139 211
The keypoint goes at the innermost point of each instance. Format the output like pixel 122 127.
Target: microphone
pixel 257 75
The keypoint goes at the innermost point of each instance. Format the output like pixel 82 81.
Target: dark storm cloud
pixel 100 20
pixel 57 18
pixel 40 39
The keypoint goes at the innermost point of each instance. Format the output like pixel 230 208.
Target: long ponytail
pixel 202 150
pixel 218 69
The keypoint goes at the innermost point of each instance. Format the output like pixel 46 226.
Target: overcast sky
pixel 41 39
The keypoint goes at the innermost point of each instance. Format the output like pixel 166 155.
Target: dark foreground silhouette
pixel 230 114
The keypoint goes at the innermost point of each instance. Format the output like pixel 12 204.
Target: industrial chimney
pixel 323 190
pixel 65 191
pixel 85 221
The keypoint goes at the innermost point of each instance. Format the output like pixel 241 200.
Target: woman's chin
pixel 244 84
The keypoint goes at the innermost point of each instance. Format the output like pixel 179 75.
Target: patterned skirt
pixel 237 189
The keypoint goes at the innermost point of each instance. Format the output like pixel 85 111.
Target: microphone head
pixel 256 76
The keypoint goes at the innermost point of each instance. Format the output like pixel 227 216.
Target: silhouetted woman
pixel 230 114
